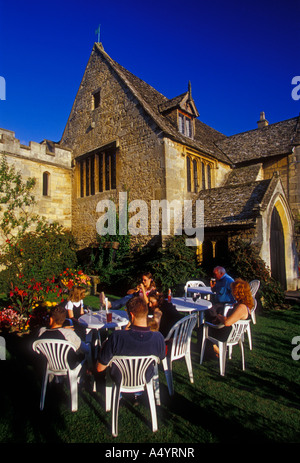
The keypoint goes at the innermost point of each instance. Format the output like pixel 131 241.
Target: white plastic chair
pixel 254 286
pixel 56 352
pixel 236 336
pixel 133 379
pixel 227 307
pixel 180 338
pixel 195 284
pixel 249 326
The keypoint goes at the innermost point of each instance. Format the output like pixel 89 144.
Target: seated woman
pixel 240 311
pixel 74 305
pixel 74 308
pixel 164 313
pixel 142 290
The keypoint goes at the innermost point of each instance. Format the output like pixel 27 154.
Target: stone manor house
pixel 123 135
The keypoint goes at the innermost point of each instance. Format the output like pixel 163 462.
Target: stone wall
pixel 33 161
pixel 289 169
pixel 120 119
pixel 149 166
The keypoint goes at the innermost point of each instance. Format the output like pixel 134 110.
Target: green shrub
pixel 272 295
pixel 174 264
pixel 37 255
pixel 111 261
pixel 245 262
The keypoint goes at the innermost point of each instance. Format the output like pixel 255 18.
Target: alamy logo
pixel 2 348
pixel 162 215
pixel 2 88
pixel 296 350
pixel 296 89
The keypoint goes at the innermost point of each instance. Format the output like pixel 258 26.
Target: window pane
pixel 100 172
pixel 107 186
pixel 203 175
pixel 188 126
pixel 181 123
pixel 195 176
pixel 93 175
pixel 188 173
pixel 208 176
pixel 96 99
pixel 87 177
pixel 45 184
pixel 81 179
pixel 113 170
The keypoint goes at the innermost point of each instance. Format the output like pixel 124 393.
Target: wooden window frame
pixel 185 125
pixel 97 172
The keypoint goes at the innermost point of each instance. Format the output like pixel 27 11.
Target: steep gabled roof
pixel 184 102
pixel 152 102
pixel 271 140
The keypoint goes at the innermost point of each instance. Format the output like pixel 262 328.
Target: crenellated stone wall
pixel 35 160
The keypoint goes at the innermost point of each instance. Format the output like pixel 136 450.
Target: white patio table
pixel 96 320
pixel 205 290
pixel 186 304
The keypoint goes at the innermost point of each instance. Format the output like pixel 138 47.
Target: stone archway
pixel 277 249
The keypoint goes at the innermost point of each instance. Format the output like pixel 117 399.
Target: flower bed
pixel 30 300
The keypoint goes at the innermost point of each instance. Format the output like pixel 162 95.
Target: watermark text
pixel 163 216
pixel 2 348
pixel 2 88
pixel 296 89
pixel 296 350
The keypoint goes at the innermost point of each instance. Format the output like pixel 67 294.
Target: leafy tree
pixel 16 202
pixel 40 254
pixel 33 253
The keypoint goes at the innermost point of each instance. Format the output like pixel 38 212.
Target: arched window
pixel 195 172
pixel 46 184
pixel 203 175
pixel 208 176
pixel 188 174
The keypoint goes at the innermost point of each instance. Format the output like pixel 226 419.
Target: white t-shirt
pixel 70 304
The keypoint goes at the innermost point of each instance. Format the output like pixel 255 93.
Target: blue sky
pixel 240 57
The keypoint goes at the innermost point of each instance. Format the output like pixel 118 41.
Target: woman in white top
pixel 74 305
pixel 74 309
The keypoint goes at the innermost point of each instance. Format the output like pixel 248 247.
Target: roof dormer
pixel 182 111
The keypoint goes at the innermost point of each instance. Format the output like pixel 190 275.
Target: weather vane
pixel 97 31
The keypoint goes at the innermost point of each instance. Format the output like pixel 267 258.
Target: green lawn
pixel 259 405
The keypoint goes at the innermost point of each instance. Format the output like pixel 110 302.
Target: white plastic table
pixel 186 304
pixel 96 320
pixel 206 290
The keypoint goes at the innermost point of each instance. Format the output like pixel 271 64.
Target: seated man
pixel 57 331
pixel 221 289
pixel 137 340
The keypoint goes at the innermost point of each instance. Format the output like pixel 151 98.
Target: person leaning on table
pixel 141 290
pixel 164 313
pixel 137 340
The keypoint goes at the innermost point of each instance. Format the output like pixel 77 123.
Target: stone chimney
pixel 262 121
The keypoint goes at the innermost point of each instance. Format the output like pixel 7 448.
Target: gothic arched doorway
pixel 277 249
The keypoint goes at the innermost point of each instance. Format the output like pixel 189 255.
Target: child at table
pixel 74 308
